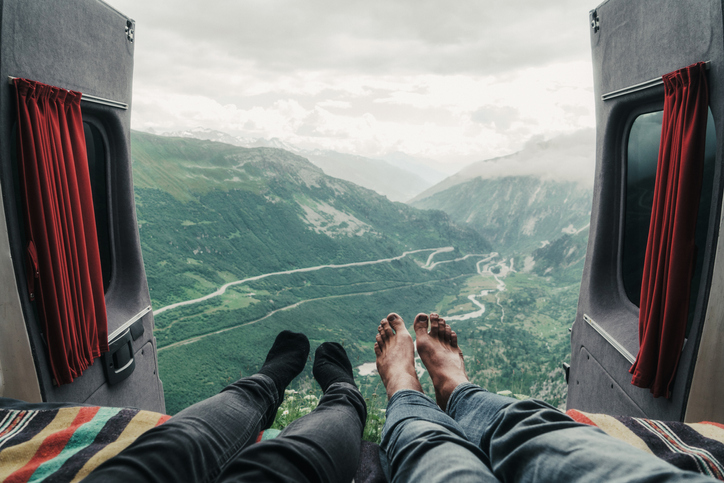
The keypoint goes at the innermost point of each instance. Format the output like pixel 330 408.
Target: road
pixel 223 288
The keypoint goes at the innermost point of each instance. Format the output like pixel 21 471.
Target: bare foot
pixel 396 356
pixel 441 355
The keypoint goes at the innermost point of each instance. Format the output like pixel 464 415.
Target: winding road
pixel 429 265
pixel 223 288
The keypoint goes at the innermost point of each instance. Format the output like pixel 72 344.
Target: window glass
pixel 643 149
pixel 99 185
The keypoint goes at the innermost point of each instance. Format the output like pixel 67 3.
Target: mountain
pixel 396 183
pixel 427 169
pixel 524 201
pixel 253 241
pixel 207 134
pixel 562 258
pixel 569 157
pixel 517 214
pixel 206 209
pixel 400 179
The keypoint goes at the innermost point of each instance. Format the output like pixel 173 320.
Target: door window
pixel 642 156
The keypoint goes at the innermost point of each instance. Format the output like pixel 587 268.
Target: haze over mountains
pixel 402 177
pixel 399 177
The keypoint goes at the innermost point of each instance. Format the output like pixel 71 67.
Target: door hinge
pixel 129 30
pixel 595 21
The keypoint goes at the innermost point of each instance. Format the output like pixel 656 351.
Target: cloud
pixel 376 36
pixel 454 81
pixel 497 116
pixel 569 157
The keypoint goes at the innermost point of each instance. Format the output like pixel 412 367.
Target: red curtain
pixel 670 250
pixel 64 265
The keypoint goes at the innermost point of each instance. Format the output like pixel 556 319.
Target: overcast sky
pixel 454 81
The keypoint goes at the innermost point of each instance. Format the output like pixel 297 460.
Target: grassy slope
pixel 211 213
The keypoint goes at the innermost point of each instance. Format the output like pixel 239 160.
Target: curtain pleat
pixel 670 250
pixel 63 255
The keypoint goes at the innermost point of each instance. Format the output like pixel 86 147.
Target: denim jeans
pixel 487 437
pixel 212 440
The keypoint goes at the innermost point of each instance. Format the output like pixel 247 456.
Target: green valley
pixel 296 249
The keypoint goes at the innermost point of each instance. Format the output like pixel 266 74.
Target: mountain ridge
pixel 517 214
pixel 554 159
pixel 206 208
pixel 397 176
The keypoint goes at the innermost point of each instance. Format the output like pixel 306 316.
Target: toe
pixel 453 339
pixel 434 324
pixel 396 323
pixel 420 324
pixel 441 329
pixel 378 351
pixel 380 342
pixel 448 334
pixel 387 331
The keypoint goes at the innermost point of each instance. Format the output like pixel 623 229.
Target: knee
pixel 415 432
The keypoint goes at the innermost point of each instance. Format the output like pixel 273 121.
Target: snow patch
pixel 528 264
pixel 529 226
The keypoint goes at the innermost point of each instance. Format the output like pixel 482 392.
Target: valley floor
pixel 512 325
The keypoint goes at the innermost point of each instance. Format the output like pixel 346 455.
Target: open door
pixel 633 44
pixel 85 46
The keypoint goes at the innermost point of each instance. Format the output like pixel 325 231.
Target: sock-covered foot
pixel 286 359
pixel 331 365
pixel 441 355
pixel 395 353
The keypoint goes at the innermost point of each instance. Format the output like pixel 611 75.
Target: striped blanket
pixel 695 447
pixel 66 444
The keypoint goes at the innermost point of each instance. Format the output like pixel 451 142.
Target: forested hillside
pixel 209 212
pixel 518 214
pixel 276 244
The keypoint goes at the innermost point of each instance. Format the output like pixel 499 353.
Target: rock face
pixel 517 214
pixel 524 201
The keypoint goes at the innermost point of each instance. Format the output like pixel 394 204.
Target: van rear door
pixel 86 46
pixel 633 44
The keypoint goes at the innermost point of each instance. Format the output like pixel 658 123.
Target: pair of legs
pixel 469 434
pixel 213 439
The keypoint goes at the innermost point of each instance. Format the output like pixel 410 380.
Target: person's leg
pixel 419 441
pixel 443 358
pixel 197 443
pixel 530 440
pixel 321 446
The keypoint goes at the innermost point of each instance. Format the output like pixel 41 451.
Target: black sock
pixel 332 365
pixel 286 359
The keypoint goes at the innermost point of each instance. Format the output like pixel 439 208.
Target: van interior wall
pixel 636 42
pixel 81 45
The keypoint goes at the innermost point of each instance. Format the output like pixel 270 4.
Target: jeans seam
pixel 228 456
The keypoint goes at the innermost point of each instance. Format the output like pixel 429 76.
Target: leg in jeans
pixel 321 446
pixel 529 440
pixel 419 441
pixel 197 443
pixel 422 443
pixel 532 441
